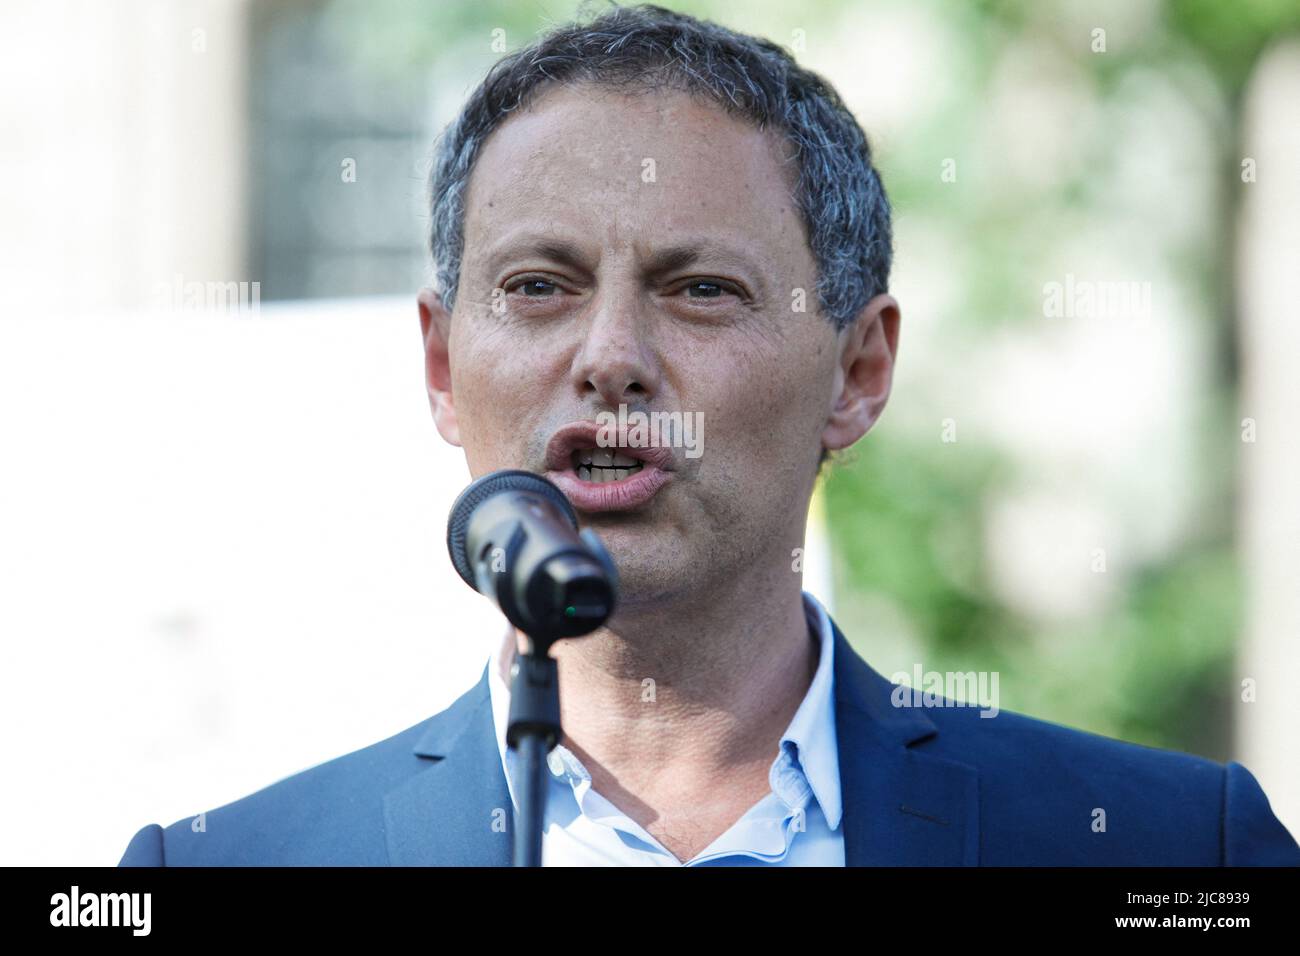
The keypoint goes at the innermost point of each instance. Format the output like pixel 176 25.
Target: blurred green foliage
pixel 1156 667
pixel 906 521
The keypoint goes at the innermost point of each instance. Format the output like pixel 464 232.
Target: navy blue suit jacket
pixel 921 786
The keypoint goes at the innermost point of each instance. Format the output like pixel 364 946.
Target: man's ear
pixel 865 372
pixel 435 330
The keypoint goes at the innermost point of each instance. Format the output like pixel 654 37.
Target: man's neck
pixel 672 699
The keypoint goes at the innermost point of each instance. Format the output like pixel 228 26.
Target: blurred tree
pixel 1155 669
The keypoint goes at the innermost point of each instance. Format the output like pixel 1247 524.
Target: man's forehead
pixel 612 135
pixel 690 175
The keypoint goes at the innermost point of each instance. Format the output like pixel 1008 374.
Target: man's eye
pixel 535 288
pixel 713 290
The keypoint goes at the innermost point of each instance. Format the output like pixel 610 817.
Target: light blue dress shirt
pixel 796 824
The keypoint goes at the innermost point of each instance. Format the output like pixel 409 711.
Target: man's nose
pixel 617 363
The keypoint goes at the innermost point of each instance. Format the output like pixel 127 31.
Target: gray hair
pixel 838 193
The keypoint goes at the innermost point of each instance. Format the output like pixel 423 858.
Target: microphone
pixel 514 537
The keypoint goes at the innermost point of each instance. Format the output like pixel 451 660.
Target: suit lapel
pixel 457 810
pixel 902 807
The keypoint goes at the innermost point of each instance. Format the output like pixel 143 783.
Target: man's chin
pixel 654 584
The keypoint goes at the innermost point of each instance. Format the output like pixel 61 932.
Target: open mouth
pixel 598 475
pixel 602 465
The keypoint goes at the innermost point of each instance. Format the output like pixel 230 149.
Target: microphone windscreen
pixel 479 491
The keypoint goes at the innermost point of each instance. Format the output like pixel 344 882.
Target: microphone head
pixel 509 479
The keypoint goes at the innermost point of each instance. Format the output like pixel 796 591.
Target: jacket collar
pixel 902 806
pixel 456 811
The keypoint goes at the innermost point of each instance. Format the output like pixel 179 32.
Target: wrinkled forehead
pixel 611 166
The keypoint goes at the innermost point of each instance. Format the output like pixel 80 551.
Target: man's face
pixel 619 180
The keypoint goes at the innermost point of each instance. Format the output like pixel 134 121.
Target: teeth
pixel 601 475
pixel 605 458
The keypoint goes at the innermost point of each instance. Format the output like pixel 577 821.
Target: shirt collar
pixel 812 729
pixel 503 656
pixel 811 734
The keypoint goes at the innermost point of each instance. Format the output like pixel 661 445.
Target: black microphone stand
pixel 533 731
pixel 534 728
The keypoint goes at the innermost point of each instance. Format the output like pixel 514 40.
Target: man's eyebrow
pixel 659 262
pixel 546 247
pixel 672 258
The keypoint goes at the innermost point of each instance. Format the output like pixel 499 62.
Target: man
pixel 653 214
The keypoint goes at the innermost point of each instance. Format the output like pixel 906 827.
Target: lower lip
pixel 632 492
